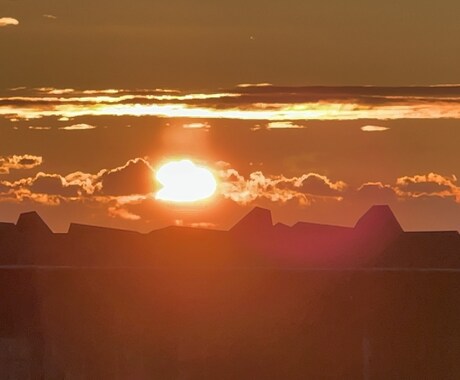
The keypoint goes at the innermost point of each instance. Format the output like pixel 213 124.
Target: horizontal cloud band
pixel 271 103
pixel 132 183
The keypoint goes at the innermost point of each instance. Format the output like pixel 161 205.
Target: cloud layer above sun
pixel 278 105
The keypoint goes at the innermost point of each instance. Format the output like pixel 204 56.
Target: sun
pixel 184 181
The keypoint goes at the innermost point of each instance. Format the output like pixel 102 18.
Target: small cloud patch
pixel 198 125
pixel 8 21
pixel 78 127
pixel 373 128
pixel 17 162
pixel 283 125
pixel 38 128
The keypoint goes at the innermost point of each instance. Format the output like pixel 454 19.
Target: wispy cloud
pixel 284 125
pixel 133 178
pixel 197 125
pixel 16 162
pixel 39 128
pixel 78 127
pixel 277 107
pixel 207 225
pixel 245 85
pixel 118 211
pixel 429 185
pixel 277 125
pixel 373 128
pixel 277 188
pixel 7 21
pixel 52 17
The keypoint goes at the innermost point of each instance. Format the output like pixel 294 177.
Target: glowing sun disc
pixel 183 181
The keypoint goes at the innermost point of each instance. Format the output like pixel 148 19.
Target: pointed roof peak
pixel 379 216
pixel 258 218
pixel 32 222
pixel 260 210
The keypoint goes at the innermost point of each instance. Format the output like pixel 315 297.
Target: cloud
pixel 277 125
pixel 17 162
pixel 244 85
pixel 375 192
pixel 428 185
pixel 111 189
pixel 37 128
pixel 284 125
pixel 135 177
pixel 317 184
pixel 4 189
pixel 201 225
pixel 277 188
pixel 86 181
pixel 127 192
pixel 52 17
pixel 74 186
pixel 125 184
pixel 54 184
pixel 206 225
pixel 7 21
pixel 373 128
pixel 55 91
pixel 119 212
pixel 412 187
pixel 197 125
pixel 24 195
pixel 280 107
pixel 78 127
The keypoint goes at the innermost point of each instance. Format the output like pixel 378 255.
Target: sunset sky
pixel 314 109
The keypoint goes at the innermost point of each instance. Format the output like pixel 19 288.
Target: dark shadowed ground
pixel 234 324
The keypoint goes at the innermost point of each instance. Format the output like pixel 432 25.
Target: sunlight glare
pixel 183 181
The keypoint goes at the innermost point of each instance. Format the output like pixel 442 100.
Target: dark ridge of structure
pixel 376 240
pixel 258 220
pixel 31 222
pixel 256 302
pixel 85 229
pixel 307 227
pixel 381 219
pixel 7 227
pixel 438 249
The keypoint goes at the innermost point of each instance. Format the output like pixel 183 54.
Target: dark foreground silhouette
pixel 257 302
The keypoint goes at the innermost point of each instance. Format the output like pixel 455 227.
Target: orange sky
pixel 341 107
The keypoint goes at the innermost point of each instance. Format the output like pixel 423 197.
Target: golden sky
pixel 316 110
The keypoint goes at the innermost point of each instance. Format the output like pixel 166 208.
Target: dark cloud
pixel 135 177
pixel 320 185
pixel 4 188
pixel 54 185
pixel 17 162
pixel 27 161
pixel 425 187
pixel 374 193
pixel 431 184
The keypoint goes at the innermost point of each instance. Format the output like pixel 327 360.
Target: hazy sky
pixel 209 44
pixel 95 95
